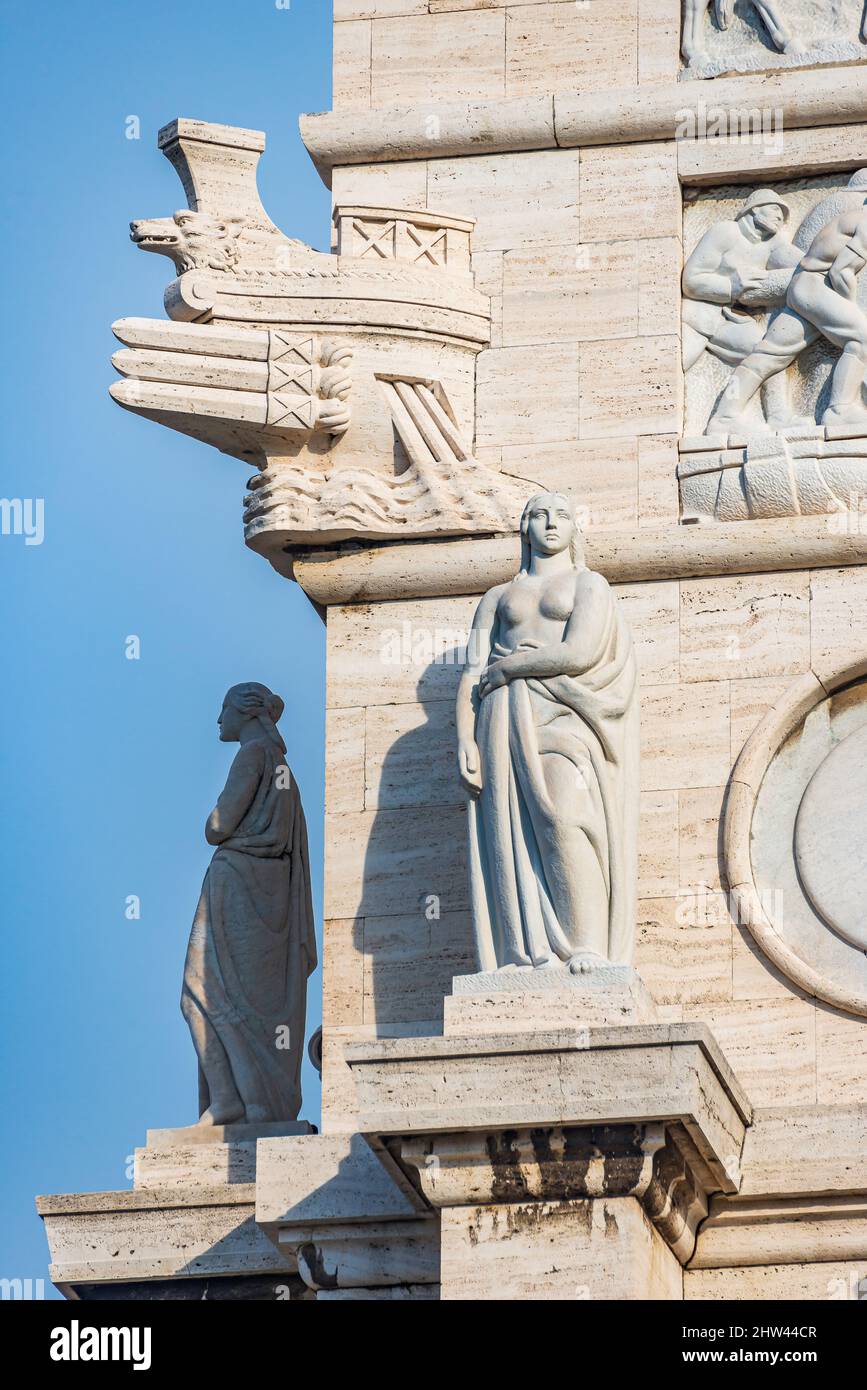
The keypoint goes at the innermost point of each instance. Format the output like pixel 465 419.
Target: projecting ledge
pixel 429 569
pixel 833 96
pixel 630 1075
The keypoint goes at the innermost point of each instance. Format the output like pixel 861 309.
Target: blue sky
pixel 109 767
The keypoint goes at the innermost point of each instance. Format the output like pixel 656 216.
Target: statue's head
pixel 250 702
pixel 767 212
pixel 548 526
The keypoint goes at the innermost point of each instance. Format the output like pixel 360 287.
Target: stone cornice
pixel 832 96
pixel 435 569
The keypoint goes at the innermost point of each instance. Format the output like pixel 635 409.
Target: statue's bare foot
pixel 855 415
pixel 585 961
pixel 227 1114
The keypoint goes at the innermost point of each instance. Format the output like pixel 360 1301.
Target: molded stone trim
pixel 787 715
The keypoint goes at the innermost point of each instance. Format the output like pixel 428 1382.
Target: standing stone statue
pixel 252 946
pixel 547 719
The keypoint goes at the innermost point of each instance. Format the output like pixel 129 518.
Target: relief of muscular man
pixel 740 265
pixel 821 302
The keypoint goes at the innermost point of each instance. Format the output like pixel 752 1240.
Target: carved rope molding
pixel 781 721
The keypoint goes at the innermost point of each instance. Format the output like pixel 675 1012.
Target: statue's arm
pixel 582 641
pixel 850 261
pixel 769 290
pixel 702 278
pixel 237 796
pixel 478 652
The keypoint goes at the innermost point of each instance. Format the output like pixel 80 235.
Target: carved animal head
pixel 193 240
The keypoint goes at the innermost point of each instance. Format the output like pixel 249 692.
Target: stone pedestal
pixel 570 1164
pixel 350 1220
pixel 492 1001
pixel 186 1230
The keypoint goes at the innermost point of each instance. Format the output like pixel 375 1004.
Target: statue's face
pixel 769 219
pixel 229 724
pixel 551 525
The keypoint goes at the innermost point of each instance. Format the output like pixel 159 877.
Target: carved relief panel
pixel 775 349
pixel 726 36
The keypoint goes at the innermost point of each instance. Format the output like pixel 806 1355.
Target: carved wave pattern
pixel 444 489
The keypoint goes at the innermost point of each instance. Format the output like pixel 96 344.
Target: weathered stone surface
pixel 798 1282
pixel 421 1085
pixel 204 1154
pixel 770 1231
pixel 684 735
pixel 771 1045
pixel 546 999
pixel 555 45
pixel 636 377
pixel 555 1251
pixel 797 1150
pixel 750 627
pixel 329 1180
pixel 157 1233
pixel 535 194
pixel 439 57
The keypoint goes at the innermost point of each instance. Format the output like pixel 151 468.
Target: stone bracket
pixel 657 1164
pixel 650 1111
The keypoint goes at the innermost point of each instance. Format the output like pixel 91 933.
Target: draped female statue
pixel 547 718
pixel 252 945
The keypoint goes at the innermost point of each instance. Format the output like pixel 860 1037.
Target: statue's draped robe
pixel 252 945
pixel 523 847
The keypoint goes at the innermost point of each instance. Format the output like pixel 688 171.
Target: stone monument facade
pixel 610 253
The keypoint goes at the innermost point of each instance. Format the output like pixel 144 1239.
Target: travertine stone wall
pixel 837 1280
pixel 714 655
pixel 581 251
pixel 582 386
pixel 392 51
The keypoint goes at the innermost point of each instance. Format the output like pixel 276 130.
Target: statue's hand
pixel 842 276
pixel 494 676
pixel 747 287
pixel 470 765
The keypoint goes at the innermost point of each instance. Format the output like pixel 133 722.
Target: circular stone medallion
pixel 831 839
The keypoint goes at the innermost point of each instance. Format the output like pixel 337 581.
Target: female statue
pixel 252 945
pixel 547 719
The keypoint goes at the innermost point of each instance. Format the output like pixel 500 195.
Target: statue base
pixel 212 1153
pixel 526 998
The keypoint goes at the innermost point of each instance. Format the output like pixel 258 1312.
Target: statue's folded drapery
pixel 553 834
pixel 252 945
